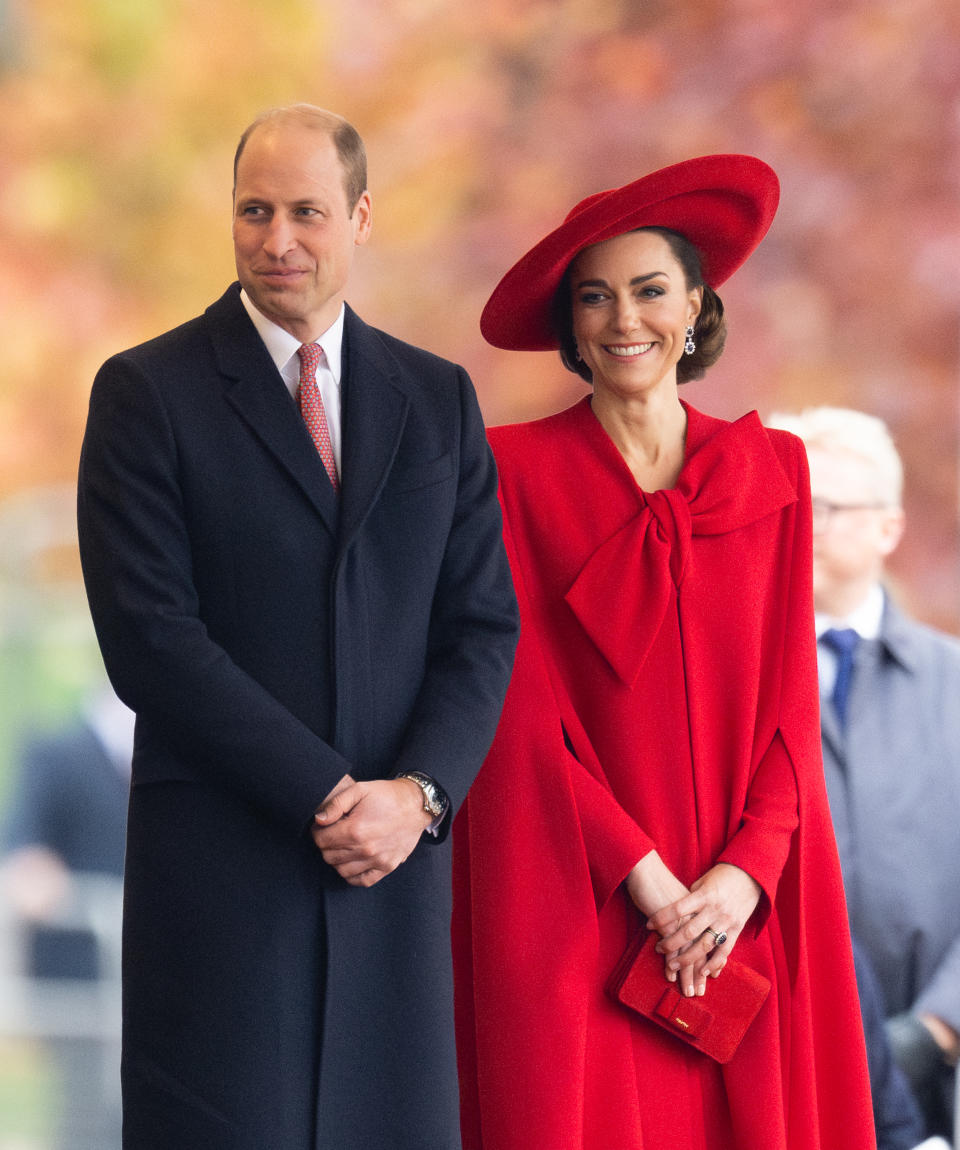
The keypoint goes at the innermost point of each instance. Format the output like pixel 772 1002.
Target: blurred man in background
pixel 890 719
pixel 63 842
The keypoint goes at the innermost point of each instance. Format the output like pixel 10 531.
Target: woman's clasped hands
pixel 698 926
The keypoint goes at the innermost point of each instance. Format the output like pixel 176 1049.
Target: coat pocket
pixel 409 478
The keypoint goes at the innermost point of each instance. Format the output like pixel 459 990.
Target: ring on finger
pixel 719 936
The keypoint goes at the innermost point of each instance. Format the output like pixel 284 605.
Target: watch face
pixel 432 800
pixel 432 803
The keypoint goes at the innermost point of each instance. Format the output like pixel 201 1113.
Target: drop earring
pixel 689 347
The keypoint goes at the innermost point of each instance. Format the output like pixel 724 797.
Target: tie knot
pixel 843 640
pixel 310 357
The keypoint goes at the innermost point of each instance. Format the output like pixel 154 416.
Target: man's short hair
pixel 842 430
pixel 346 139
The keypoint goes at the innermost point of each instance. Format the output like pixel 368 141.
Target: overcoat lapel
pixel 254 387
pixel 374 413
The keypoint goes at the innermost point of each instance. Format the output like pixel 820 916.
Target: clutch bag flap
pixel 713 1023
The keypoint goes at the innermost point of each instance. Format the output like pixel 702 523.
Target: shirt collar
pixel 282 346
pixel 864 619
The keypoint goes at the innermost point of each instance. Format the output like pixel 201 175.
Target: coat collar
pixel 374 411
pixel 896 636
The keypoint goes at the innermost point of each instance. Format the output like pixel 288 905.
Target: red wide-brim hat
pixel 722 204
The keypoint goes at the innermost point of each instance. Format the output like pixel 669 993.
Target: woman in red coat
pixel 657 766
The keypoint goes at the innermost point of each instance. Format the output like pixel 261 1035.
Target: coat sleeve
pixel 473 627
pixel 940 993
pixel 136 555
pixel 610 840
pixel 762 843
pixel 941 996
pixel 828 1076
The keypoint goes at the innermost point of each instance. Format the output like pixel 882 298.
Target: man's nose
pixel 279 238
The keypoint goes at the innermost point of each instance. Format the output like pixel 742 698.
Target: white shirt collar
pixel 283 347
pixel 864 619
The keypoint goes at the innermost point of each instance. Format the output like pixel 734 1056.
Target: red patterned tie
pixel 311 407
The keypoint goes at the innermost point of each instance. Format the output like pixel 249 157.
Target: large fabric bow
pixel 625 588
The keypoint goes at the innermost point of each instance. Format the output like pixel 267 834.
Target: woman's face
pixel 631 308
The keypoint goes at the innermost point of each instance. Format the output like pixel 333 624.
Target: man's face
pixel 293 235
pixel 852 535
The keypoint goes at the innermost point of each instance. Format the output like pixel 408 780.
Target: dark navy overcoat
pixel 271 641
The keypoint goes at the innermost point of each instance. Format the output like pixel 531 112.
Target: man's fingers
pixel 366 878
pixel 338 805
pixel 385 824
pixel 351 868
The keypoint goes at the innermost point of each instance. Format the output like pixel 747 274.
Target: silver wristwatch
pixel 435 802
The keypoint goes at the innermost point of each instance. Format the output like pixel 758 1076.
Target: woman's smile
pixel 627 350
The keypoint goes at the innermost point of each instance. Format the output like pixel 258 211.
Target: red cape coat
pixel 664 695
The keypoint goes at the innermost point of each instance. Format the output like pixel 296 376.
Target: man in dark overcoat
pixel 312 615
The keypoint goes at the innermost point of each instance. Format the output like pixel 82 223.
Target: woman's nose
pixel 626 315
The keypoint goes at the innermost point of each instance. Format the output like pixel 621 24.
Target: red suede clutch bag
pixel 714 1023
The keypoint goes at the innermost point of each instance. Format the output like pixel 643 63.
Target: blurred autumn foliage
pixel 485 122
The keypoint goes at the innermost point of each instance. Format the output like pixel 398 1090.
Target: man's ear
pixel 363 215
pixel 891 531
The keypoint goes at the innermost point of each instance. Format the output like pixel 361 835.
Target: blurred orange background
pixel 484 124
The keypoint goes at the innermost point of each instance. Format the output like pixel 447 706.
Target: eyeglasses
pixel 824 510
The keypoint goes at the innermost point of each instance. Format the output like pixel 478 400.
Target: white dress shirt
pixel 283 347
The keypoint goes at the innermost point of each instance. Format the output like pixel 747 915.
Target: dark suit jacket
pixel 70 797
pixel 895 1113
pixel 270 642
pixel 893 777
